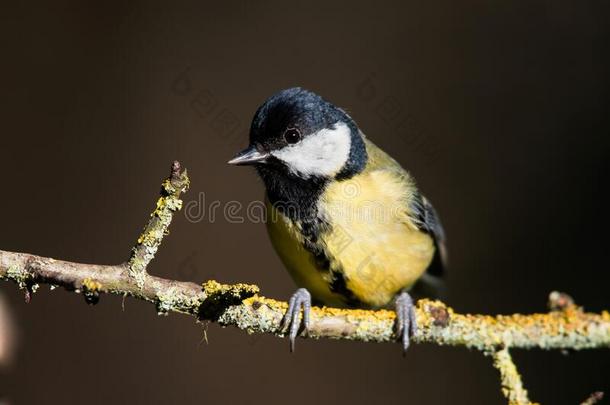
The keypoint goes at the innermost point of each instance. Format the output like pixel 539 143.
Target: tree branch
pixel 512 386
pixel 566 326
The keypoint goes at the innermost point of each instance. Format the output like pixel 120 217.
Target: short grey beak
pixel 249 156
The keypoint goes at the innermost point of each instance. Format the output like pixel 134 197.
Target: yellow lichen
pixel 512 386
pixel 91 285
pixel 157 227
pixel 240 290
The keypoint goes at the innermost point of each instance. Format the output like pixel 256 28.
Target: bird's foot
pixel 300 299
pixel 406 324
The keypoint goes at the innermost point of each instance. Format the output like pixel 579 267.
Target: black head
pixel 297 134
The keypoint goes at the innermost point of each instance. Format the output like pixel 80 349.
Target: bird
pixel 347 221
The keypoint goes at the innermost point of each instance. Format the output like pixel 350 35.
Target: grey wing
pixel 427 220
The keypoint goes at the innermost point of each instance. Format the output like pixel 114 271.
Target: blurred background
pixel 499 109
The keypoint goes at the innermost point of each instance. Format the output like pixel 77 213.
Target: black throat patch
pixel 293 196
pixel 297 199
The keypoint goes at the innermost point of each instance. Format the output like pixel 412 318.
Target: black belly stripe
pixel 311 229
pixel 321 260
pixel 339 286
pixel 297 199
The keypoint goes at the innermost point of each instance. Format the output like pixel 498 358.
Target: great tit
pixel 346 219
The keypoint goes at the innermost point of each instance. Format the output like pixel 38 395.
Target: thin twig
pixel 593 398
pixel 512 386
pixel 157 227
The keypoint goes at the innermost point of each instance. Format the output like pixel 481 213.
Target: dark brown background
pixel 500 110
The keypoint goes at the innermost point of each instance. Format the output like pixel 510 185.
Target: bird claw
pixel 300 299
pixel 406 323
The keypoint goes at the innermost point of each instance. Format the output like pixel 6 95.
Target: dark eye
pixel 292 135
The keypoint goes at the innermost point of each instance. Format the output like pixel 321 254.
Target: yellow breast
pixel 373 239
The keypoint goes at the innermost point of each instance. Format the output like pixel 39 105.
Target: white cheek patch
pixel 323 153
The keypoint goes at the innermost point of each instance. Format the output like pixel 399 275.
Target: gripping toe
pixel 406 323
pixel 301 299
